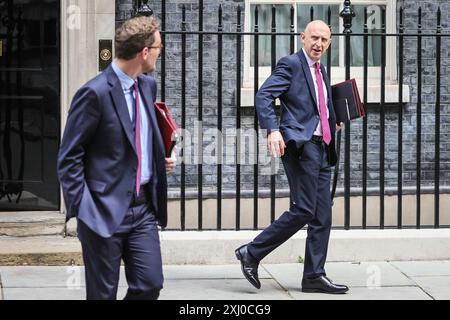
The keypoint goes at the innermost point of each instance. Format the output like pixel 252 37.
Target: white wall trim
pixel 83 23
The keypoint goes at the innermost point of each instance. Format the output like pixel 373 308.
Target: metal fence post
pixel 347 15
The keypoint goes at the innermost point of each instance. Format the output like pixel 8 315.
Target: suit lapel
pixel 120 104
pixel 309 78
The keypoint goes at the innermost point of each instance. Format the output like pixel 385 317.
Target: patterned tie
pixel 138 138
pixel 323 108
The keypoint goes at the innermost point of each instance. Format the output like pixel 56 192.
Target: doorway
pixel 29 104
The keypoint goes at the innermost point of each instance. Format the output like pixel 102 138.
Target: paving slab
pixel 383 293
pixel 1 288
pixel 39 277
pixel 208 272
pixel 225 289
pixel 61 294
pixel 46 277
pixel 367 274
pixel 367 281
pixel 437 287
pixel 43 294
pixel 423 268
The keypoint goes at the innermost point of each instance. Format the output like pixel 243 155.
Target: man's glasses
pixel 156 47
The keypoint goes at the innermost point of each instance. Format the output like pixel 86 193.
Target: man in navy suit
pixel 305 139
pixel 112 168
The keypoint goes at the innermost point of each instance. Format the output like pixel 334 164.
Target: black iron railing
pixel 348 191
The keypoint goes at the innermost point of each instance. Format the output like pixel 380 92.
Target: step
pixel 29 224
pixel 216 248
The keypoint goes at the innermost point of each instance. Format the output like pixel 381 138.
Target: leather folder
pixel 347 101
pixel 167 126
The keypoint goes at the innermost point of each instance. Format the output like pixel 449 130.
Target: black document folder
pixel 347 102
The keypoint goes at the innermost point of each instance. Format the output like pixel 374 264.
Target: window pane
pixel 265 25
pixel 374 25
pixel 320 13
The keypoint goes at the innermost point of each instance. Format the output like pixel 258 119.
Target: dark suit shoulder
pixel 291 60
pixel 90 94
pixel 288 64
pixel 85 99
pixel 97 84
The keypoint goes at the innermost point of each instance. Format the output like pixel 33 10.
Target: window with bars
pixel 303 11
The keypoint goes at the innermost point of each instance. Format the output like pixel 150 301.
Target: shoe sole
pixel 239 257
pixel 323 291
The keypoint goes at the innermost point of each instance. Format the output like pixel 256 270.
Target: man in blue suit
pixel 112 168
pixel 305 139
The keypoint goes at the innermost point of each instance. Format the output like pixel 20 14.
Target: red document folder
pixel 167 126
pixel 347 102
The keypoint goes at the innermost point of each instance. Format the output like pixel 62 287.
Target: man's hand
pixel 171 163
pixel 340 127
pixel 276 144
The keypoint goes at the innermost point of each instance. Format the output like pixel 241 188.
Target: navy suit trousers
pixel 136 242
pixel 309 175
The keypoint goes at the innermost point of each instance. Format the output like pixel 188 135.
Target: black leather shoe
pixel 322 285
pixel 249 266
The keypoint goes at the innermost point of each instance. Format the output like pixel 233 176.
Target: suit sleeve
pixel 275 86
pixel 83 119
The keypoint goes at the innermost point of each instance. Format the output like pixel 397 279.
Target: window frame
pixel 338 73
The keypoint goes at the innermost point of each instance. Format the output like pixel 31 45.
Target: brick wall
pixel 428 72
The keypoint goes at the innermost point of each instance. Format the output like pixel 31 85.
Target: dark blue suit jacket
pixel 97 161
pixel 292 83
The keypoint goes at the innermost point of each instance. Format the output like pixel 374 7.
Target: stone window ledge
pixel 374 94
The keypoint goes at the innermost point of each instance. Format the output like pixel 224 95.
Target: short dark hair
pixel 134 35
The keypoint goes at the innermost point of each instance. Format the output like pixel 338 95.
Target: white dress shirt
pixel 312 68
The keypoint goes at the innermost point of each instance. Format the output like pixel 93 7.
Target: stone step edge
pixel 213 247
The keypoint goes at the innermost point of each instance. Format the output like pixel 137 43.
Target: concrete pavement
pixel 202 266
pixel 404 280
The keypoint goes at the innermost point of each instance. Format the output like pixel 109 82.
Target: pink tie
pixel 138 138
pixel 323 108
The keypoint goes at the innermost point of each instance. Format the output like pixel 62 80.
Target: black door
pixel 29 104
